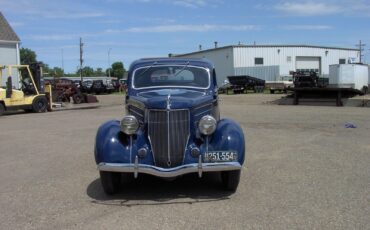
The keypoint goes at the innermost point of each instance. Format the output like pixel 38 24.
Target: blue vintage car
pixel 172 126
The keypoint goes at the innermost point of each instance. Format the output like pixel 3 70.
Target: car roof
pixel 202 62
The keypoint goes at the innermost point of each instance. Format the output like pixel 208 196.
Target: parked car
pixel 98 87
pixel 172 126
pixel 86 86
pixel 109 87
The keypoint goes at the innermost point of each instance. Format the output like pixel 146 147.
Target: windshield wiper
pixel 154 63
pixel 187 64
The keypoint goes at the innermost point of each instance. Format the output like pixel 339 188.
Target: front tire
pixel 40 105
pixel 110 182
pixel 230 180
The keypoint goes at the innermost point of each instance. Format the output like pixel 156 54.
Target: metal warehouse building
pixel 269 62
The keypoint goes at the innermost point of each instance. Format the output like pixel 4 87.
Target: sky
pixel 126 30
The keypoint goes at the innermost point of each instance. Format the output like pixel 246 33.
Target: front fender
pixel 228 137
pixel 109 147
pixel 112 146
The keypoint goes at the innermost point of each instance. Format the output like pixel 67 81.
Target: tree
pixel 87 71
pixel 27 56
pixel 99 72
pixel 118 70
pixel 56 72
pixel 109 72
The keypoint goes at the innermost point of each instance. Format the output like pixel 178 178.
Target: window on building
pixel 342 61
pixel 258 61
pixel 289 58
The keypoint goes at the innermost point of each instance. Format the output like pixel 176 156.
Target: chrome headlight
pixel 207 125
pixel 129 124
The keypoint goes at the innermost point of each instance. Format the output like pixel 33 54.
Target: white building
pixel 9 48
pixel 269 62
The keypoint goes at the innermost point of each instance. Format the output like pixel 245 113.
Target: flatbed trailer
pixel 242 83
pixel 320 93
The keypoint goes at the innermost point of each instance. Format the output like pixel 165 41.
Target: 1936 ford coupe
pixel 172 126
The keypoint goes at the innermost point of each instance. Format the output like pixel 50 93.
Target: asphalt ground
pixel 304 170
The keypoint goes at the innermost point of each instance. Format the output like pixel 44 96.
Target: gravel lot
pixel 303 170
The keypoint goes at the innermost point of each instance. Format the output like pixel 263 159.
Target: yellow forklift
pixel 30 97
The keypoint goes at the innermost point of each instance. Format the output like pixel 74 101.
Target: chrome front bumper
pixel 199 168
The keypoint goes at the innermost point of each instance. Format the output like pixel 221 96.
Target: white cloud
pixel 52 37
pixel 190 3
pixel 181 3
pixel 72 15
pixel 306 27
pixel 62 37
pixel 51 9
pixel 358 8
pixel 308 8
pixel 188 28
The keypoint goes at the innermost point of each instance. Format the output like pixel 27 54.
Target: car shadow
pixel 150 190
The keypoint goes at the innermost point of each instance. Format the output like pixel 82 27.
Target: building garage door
pixel 308 64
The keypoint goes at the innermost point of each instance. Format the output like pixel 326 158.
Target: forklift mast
pixel 36 70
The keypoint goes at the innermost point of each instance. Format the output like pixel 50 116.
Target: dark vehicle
pixel 240 84
pixel 172 126
pixel 86 86
pixel 98 87
pixel 309 80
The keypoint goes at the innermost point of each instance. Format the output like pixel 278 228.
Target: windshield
pixel 171 76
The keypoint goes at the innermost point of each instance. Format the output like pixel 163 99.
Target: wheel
pixel 39 105
pixel 272 91
pixel 230 180
pixel 110 182
pixel 77 98
pixel 2 109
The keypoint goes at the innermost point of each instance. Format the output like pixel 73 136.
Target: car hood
pixel 172 98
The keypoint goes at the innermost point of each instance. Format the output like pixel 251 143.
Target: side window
pixel 342 61
pixel 258 61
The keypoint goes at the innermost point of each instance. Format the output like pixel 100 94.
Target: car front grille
pixel 168 132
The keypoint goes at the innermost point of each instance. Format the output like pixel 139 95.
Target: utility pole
pixel 81 60
pixel 361 48
pixel 63 62
pixel 109 61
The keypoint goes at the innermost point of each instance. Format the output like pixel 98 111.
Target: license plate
pixel 220 156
